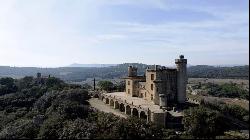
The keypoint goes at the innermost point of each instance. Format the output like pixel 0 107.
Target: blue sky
pixel 52 33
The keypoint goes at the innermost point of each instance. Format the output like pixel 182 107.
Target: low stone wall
pixel 124 106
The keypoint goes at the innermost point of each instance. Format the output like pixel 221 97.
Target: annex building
pixel 154 96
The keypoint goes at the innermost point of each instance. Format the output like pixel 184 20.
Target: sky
pixel 55 33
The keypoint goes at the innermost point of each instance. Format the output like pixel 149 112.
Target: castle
pixel 154 96
pixel 160 85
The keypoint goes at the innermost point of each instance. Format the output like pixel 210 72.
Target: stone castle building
pixel 153 96
pixel 160 85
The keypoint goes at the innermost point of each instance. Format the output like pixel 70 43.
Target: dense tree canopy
pixel 105 85
pixel 201 122
pixel 54 109
pixel 7 86
pixel 231 90
pixel 235 111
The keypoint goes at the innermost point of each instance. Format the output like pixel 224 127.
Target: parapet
pixel 181 60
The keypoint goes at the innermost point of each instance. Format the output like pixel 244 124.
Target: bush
pixel 227 109
pixel 230 90
pixel 7 86
pixel 105 85
pixel 52 127
pixel 201 122
pixel 113 127
pixel 78 129
pixel 20 129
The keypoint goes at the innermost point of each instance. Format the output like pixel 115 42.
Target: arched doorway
pixel 107 101
pixel 96 96
pixel 111 102
pixel 143 115
pixel 128 110
pixel 135 112
pixel 116 105
pixel 122 107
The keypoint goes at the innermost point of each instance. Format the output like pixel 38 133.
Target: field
pixel 236 101
pixel 233 101
pixel 219 81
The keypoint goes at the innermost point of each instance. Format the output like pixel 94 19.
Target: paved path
pixel 101 106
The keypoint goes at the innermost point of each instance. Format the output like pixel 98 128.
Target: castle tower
pixel 132 71
pixel 181 64
pixel 38 75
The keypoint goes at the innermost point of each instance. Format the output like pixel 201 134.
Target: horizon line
pixel 68 66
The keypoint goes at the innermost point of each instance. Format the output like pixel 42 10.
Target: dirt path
pixel 101 106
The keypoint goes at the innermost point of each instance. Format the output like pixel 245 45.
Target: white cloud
pixel 49 33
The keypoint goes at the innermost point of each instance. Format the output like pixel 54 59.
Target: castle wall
pixel 164 82
pixel 129 87
pixel 133 87
pixel 158 118
pixel 150 86
pixel 142 90
pixel 169 83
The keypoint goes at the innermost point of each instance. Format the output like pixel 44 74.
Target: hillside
pixel 204 71
pixel 82 73
pixel 91 65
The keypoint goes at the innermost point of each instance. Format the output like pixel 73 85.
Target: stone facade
pixel 160 85
pixel 154 96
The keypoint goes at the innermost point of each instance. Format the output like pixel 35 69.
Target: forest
pixel 50 108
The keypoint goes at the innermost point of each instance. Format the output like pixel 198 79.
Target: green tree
pixel 55 83
pixel 120 87
pixel 25 82
pixel 105 85
pixel 77 129
pixel 7 85
pixel 52 127
pixel 20 129
pixel 201 122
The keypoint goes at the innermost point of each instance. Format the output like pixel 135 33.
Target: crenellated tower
pixel 181 65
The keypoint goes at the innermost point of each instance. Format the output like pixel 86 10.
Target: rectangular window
pixel 152 97
pixel 152 87
pixel 128 91
pixel 152 77
pixel 128 82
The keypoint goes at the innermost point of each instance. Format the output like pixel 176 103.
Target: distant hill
pixel 78 74
pixel 205 71
pixel 91 65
